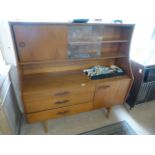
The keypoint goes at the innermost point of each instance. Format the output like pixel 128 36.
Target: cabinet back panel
pixel 64 66
pixel 117 33
pixel 110 48
pixel 116 48
pixel 125 64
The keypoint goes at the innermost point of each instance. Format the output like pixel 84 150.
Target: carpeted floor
pixel 119 128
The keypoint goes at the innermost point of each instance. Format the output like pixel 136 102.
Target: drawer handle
pixel 63 112
pixel 61 102
pixel 62 93
pixel 103 87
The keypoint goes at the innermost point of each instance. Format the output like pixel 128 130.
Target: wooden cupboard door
pixel 111 93
pixel 40 42
pixel 104 94
pixel 122 91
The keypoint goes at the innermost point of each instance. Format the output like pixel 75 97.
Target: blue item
pixel 80 20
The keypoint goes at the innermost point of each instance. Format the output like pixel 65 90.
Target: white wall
pixel 9 55
pixel 130 10
pixel 141 12
pixel 6 43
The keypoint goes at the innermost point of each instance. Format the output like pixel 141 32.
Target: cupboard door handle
pixel 62 93
pixel 103 87
pixel 62 102
pixel 63 112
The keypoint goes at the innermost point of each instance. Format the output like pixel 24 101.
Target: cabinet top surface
pixel 34 83
pixel 67 23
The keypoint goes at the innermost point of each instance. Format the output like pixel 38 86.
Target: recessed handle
pixel 62 102
pixel 62 93
pixel 104 87
pixel 63 112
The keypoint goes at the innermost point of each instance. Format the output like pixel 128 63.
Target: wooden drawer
pixel 58 98
pixel 60 112
pixel 58 92
pixel 57 102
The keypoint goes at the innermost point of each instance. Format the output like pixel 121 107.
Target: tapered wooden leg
pixel 45 125
pixel 108 112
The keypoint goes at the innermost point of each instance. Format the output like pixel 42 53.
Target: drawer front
pixel 58 92
pixel 60 112
pixel 112 93
pixel 51 103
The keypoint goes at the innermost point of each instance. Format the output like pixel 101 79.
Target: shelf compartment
pixel 117 48
pixel 35 84
pixel 87 51
pixel 83 51
pixel 117 33
pixel 104 56
pixel 113 55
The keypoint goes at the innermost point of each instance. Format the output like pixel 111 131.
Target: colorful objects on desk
pixel 100 72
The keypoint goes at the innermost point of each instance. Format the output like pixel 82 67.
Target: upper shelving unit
pixel 55 42
pixel 92 41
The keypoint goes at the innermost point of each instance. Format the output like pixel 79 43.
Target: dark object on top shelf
pixel 100 72
pixel 80 20
pixel 118 21
pixel 102 76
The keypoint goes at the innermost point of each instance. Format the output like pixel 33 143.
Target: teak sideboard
pixel 51 58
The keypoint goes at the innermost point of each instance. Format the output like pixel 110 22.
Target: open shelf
pixel 34 83
pixel 102 57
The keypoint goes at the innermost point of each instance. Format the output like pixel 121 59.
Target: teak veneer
pixel 51 58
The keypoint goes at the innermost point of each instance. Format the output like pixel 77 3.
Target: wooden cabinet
pixel 104 94
pixel 51 58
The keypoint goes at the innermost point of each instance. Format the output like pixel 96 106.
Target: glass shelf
pixel 96 42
